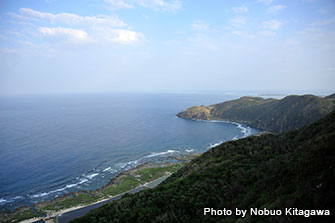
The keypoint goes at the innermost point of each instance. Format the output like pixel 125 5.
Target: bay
pixel 54 144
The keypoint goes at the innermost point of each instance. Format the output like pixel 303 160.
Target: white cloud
pixel 241 9
pixel 200 25
pixel 69 18
pixel 72 35
pixel 275 8
pixel 116 4
pixel 125 36
pixel 121 36
pixel 272 24
pixel 73 28
pixel 19 16
pixel 167 5
pixel 266 2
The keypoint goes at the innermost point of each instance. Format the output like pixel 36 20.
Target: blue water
pixel 51 145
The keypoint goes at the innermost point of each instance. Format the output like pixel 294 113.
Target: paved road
pixel 68 216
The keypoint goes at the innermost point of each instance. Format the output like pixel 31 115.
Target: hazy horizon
pixel 167 46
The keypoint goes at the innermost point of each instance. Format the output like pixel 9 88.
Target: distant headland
pixel 273 115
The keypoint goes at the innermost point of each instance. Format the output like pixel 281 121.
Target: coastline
pixel 56 214
pixel 143 175
pixel 49 209
pixel 239 124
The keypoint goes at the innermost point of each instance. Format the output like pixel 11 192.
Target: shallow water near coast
pixel 52 145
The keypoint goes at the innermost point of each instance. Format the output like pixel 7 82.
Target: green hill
pixel 332 96
pixel 272 115
pixel 289 170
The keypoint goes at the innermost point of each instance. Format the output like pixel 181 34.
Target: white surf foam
pixel 82 181
pixel 108 168
pixel 132 163
pixel 122 165
pixel 9 200
pixel 246 131
pixel 4 201
pixel 68 186
pixel 162 153
pixel 91 176
pixel 126 165
pixel 88 177
pixel 215 121
pixel 53 191
pixel 212 145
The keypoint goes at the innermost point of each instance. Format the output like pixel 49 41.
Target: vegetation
pixel 292 169
pixel 71 201
pixel 332 96
pixel 151 174
pixel 21 214
pixel 28 213
pixel 126 183
pixel 272 115
pixel 123 183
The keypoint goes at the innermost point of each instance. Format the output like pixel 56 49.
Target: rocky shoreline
pixel 123 182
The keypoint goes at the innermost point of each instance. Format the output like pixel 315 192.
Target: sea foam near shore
pixel 245 130
pixel 94 139
pixel 85 178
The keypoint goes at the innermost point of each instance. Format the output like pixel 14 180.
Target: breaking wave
pixel 162 153
pixel 245 130
pixel 212 145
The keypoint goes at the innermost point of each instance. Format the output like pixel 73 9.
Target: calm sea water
pixel 53 145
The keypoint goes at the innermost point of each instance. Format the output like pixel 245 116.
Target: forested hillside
pixel 291 169
pixel 272 115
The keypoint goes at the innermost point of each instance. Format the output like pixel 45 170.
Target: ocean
pixel 53 145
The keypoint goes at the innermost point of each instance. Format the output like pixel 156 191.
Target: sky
pixel 82 46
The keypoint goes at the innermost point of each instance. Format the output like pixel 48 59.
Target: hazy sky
pixel 54 46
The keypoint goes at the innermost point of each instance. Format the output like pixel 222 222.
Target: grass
pixel 126 183
pixel 22 215
pixel 71 202
pixel 150 174
pixel 145 175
